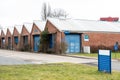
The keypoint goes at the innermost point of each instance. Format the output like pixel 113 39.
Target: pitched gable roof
pixel 19 28
pixel 4 30
pixel 11 29
pixel 28 26
pixel 40 24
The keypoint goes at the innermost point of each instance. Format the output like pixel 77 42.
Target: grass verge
pixel 114 55
pixel 62 71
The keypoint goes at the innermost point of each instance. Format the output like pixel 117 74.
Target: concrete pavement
pixel 14 57
pixel 8 57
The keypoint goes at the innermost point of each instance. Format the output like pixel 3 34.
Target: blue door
pixel 52 39
pixel 36 42
pixel 16 40
pixel 73 41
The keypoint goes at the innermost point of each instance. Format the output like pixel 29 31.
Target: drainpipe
pixel 60 42
pixel 12 42
pixel 30 41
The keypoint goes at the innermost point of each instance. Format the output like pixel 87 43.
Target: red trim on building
pixel 110 19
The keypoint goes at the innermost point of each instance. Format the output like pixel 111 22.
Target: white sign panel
pixel 104 52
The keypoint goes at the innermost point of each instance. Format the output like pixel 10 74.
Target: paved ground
pixel 14 58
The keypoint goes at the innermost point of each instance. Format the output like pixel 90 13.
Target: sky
pixel 17 12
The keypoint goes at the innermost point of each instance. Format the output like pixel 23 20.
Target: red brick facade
pixel 35 31
pixel 58 36
pixel 96 39
pixel 101 40
pixel 24 33
pixel 9 39
pixel 3 36
pixel 16 34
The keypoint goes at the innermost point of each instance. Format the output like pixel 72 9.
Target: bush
pixel 26 48
pixel 94 49
pixel 64 47
pixel 44 41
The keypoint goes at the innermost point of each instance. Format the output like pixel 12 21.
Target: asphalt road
pixel 8 57
pixel 14 57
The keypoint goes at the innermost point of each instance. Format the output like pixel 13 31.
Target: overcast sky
pixel 19 11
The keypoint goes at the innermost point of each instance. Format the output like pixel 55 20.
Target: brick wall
pixel 25 33
pixel 9 35
pixel 16 34
pixel 2 36
pixel 101 40
pixel 97 40
pixel 59 35
pixel 34 32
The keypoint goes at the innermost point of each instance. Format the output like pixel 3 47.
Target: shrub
pixel 26 48
pixel 64 47
pixel 94 49
pixel 44 41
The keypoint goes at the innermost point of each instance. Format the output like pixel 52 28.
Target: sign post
pixel 104 61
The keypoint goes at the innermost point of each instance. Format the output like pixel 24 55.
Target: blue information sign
pixel 66 32
pixel 104 61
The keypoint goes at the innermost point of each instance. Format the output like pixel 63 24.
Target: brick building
pixel 26 36
pixel 81 33
pixel 17 37
pixel 3 38
pixel 37 28
pixel 9 38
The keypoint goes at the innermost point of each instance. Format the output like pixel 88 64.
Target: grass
pixel 114 55
pixel 62 71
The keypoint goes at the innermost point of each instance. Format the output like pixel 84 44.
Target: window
pixel 35 30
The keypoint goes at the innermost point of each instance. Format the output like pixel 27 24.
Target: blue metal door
pixel 36 42
pixel 52 39
pixel 16 40
pixel 73 41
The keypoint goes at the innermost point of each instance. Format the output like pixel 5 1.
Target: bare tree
pixel 59 13
pixel 44 11
pixel 47 12
pixel 1 27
